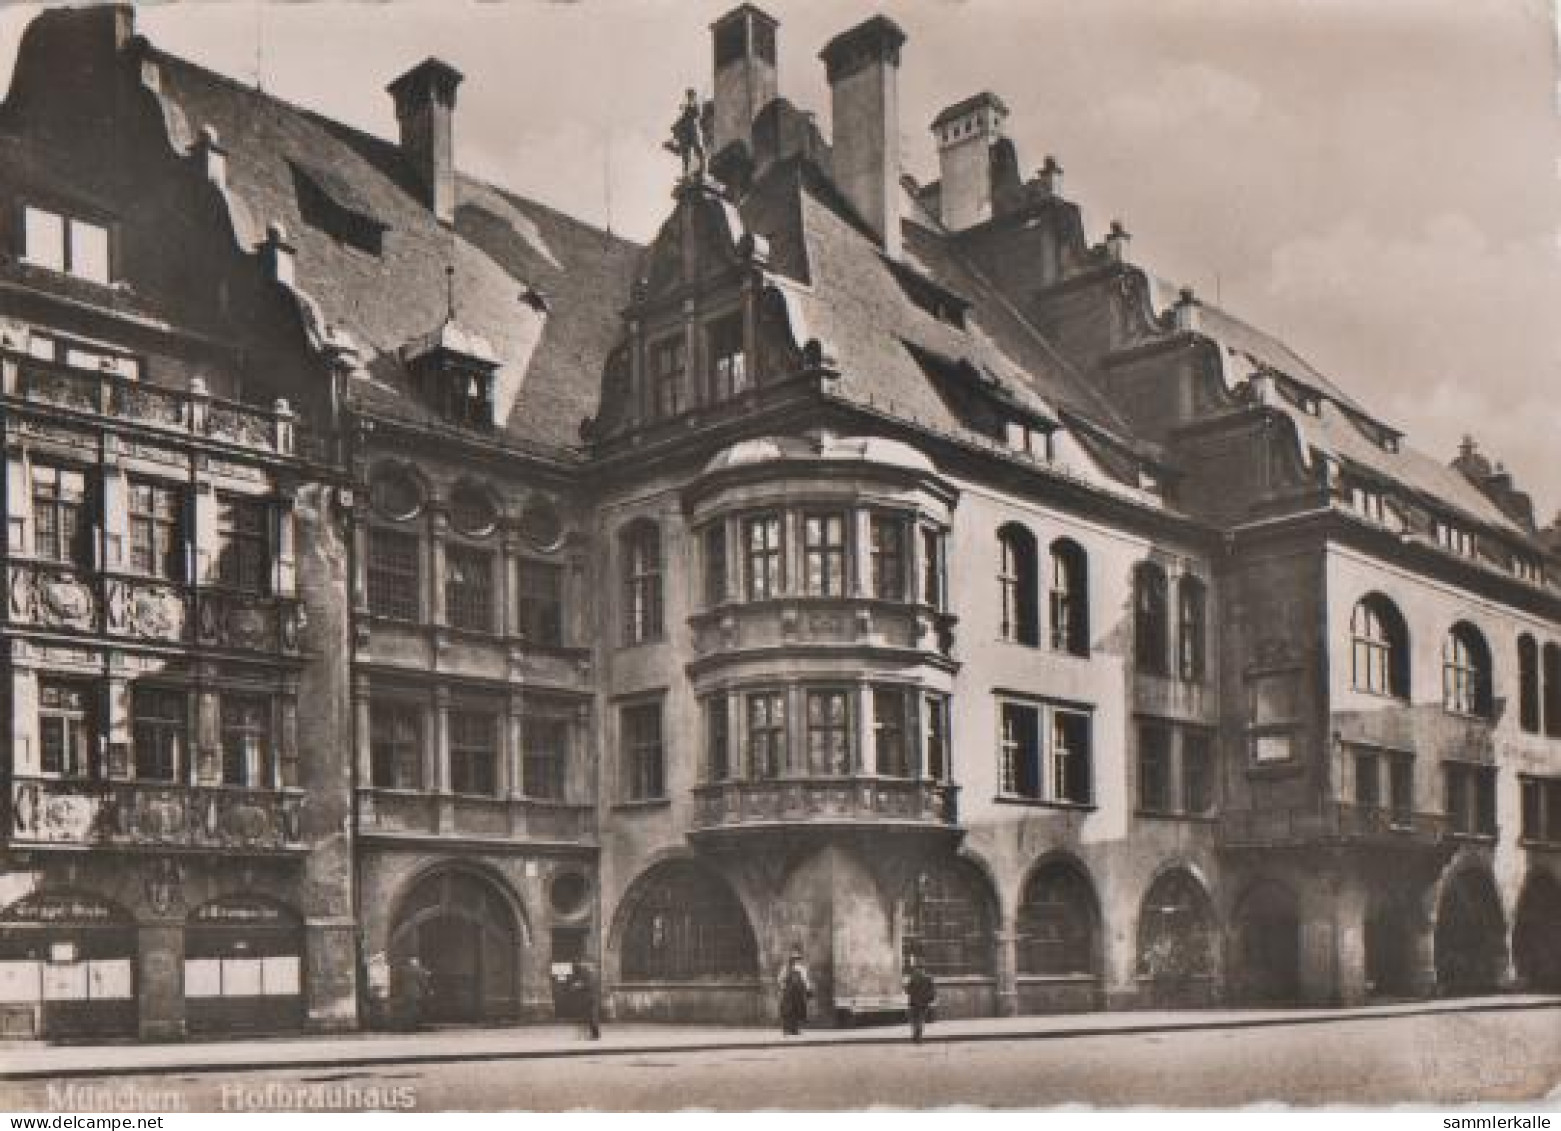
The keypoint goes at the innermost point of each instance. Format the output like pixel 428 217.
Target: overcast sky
pixel 1376 180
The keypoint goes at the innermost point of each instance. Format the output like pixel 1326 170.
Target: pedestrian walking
pixel 920 994
pixel 795 990
pixel 586 992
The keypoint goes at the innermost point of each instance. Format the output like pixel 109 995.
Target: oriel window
pixel 886 556
pixel 824 554
pixel 767 734
pixel 764 556
pixel 829 732
pixel 668 373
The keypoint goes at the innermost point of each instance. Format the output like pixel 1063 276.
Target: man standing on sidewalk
pixel 587 998
pixel 920 994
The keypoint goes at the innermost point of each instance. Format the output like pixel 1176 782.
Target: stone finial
pixel 1116 242
pixel 1050 176
pixel 1186 310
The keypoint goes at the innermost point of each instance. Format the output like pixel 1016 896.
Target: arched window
pixel 1151 623
pixel 686 925
pixel 1552 694
pixel 1070 597
pixel 1466 671
pixel 1017 580
pixel 1058 923
pixel 1191 634
pixel 1176 935
pixel 948 921
pixel 1379 656
pixel 1528 683
pixel 642 583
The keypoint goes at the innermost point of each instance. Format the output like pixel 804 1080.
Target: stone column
pixel 433 583
pixel 867 761
pixel 160 979
pixel 1007 973
pixel 440 784
pixel 330 976
pixel 362 735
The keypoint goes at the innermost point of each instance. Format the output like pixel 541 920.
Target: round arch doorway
pixel 461 927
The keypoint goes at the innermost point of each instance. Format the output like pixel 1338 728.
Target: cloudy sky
pixel 1376 181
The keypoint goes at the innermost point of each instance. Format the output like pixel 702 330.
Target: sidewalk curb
pixel 895 1036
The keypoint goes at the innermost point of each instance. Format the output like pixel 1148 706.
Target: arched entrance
pixel 462 929
pixel 1058 939
pixel 949 921
pixel 1393 924
pixel 1471 934
pixel 243 967
pixel 1267 944
pixel 686 950
pixel 67 967
pixel 1176 939
pixel 1536 935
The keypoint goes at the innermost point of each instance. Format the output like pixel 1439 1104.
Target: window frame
pixel 539 609
pixel 247 741
pixel 159 738
pixel 246 556
pixel 642 740
pixel 80 728
pixel 76 549
pixel 766 737
pixel 1017 581
pixel 642 577
pixel 149 529
pixel 826 552
pixel 470 596
pixel 764 560
pixel 392 589
pixel 474 756
pixel 1049 762
pixel 72 226
pixel 390 751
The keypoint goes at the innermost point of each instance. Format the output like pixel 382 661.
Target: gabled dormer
pixel 453 372
pixel 707 326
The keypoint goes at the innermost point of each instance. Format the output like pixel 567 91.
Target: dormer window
pixel 1370 504
pixel 454 371
pixel 66 244
pixel 1528 569
pixel 1026 437
pixel 729 375
pixel 1454 539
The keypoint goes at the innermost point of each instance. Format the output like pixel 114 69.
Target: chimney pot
pixel 425 108
pixel 1116 241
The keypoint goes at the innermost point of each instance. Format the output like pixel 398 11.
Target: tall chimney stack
pixel 746 77
pixel 863 67
pixel 966 133
pixel 425 107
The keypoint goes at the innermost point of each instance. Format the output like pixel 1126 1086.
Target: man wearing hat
pixel 795 989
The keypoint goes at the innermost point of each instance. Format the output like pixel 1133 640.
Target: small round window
pixel 396 494
pixel 540 524
pixel 569 893
pixel 471 510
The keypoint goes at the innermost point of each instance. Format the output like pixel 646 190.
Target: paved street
pixel 1449 1058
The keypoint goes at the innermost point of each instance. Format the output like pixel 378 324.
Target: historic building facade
pixel 399 568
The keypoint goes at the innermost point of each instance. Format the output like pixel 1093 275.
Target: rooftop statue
pixel 688 137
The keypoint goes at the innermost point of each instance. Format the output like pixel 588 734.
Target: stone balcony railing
pixel 49 595
pixel 123 814
pixel 194 412
pixel 826 800
pixel 839 622
pixel 385 812
pixel 1332 822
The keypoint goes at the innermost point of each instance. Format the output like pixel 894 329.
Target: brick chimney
pixel 746 78
pixel 425 107
pixel 863 67
pixel 966 133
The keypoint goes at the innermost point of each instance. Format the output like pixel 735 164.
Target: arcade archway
pixel 1471 934
pixel 461 927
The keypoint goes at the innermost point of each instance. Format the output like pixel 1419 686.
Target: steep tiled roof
pixel 541 288
pixel 858 305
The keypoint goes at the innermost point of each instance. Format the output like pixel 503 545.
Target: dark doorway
pixel 1391 929
pixel 1471 935
pixel 1268 946
pixel 461 928
pixel 1536 937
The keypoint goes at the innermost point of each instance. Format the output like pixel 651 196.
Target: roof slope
pixel 860 306
pixel 542 289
